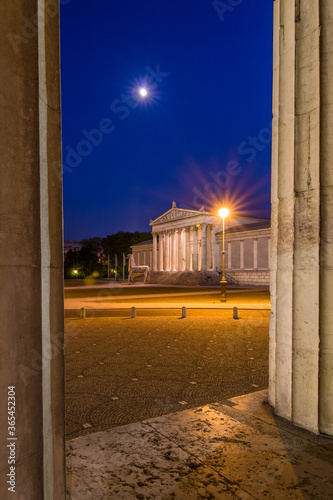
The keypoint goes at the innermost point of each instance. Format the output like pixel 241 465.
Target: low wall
pixel 250 277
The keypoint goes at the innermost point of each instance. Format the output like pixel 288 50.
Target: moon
pixel 143 92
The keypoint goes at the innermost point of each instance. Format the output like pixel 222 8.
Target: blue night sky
pixel 200 138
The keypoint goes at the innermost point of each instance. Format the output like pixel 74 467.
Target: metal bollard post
pixel 235 313
pixel 133 312
pixel 184 312
pixel 83 313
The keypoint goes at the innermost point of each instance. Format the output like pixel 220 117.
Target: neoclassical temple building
pixel 187 248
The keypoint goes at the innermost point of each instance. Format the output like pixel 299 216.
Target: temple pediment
pixel 176 213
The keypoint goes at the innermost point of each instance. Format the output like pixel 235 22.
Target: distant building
pixel 77 245
pixel 187 248
pixel 71 245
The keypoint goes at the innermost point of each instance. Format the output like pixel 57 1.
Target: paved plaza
pixel 160 407
pixel 121 370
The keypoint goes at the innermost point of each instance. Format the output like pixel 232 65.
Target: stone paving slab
pixel 233 449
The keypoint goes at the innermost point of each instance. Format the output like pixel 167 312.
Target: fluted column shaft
pixel 180 250
pixel 155 252
pixel 195 248
pixel 301 323
pixel 203 247
pixel 187 249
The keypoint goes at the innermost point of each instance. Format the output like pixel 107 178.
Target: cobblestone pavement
pixel 121 370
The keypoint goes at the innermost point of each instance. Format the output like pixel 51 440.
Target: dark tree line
pixel 91 258
pixel 121 242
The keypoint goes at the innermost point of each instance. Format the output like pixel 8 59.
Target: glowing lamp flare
pixel 143 92
pixel 223 212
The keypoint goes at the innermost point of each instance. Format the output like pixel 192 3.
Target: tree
pixel 84 261
pixel 119 243
pixel 94 244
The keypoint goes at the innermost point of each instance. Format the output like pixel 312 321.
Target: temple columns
pixel 166 263
pixel 195 249
pixel 173 251
pixel 31 270
pixel 161 251
pixel 203 247
pixel 180 250
pixel 229 255
pixel 326 215
pixel 155 263
pixel 242 253
pixel 301 323
pixel 255 253
pixel 187 249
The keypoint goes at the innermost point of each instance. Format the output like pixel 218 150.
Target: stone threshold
pixel 235 449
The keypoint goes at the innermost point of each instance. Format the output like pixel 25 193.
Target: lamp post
pixel 224 212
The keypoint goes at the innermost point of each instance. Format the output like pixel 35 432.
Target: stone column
pixel 166 251
pixel 173 251
pixel 229 254
pixel 255 253
pixel 155 252
pixel 195 248
pixel 180 250
pixel 208 246
pixel 203 247
pixel 213 245
pixel 326 204
pixel 242 254
pixel 302 202
pixel 274 202
pixel 31 270
pixel 187 249
pixel 161 251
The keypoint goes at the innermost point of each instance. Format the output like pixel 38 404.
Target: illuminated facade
pixel 191 241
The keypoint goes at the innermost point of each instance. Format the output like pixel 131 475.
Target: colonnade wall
pixel 197 248
pixel 247 256
pixel 301 323
pixel 31 254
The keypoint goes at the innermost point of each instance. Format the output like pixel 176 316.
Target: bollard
pixel 133 312
pixel 184 312
pixel 83 313
pixel 235 313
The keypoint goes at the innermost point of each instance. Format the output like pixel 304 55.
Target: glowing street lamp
pixel 223 212
pixel 75 272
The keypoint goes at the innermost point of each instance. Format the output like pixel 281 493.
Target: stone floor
pixel 121 370
pixel 235 449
